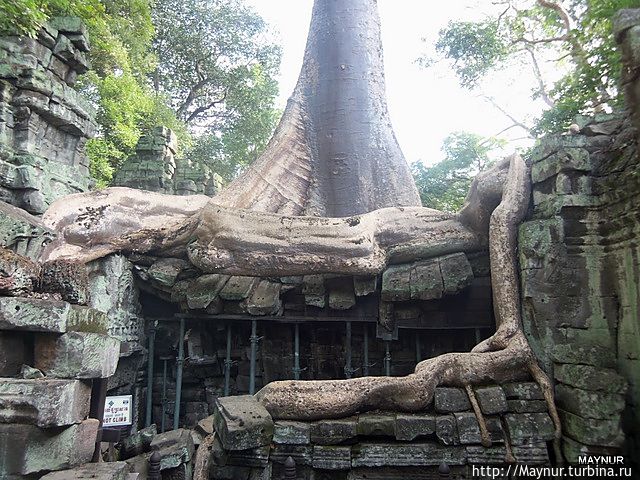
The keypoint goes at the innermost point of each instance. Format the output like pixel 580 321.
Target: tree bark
pixel 334 153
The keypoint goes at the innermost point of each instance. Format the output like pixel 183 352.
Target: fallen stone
pixel 449 400
pixel 77 355
pixel 242 422
pixel 529 427
pixel 205 426
pixel 523 391
pixel 330 457
pixel 35 315
pixel 301 454
pixel 376 425
pixel 596 432
pixel 14 353
pixel 446 429
pixel 175 447
pixel 332 432
pixel 588 404
pixel 492 400
pixel 409 427
pixel 406 455
pixel 29 450
pixel 44 402
pixel 291 433
pixel 138 442
pixel 590 378
pixel 93 471
pixel 30 373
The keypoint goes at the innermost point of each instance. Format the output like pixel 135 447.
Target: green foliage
pixel 444 185
pixel 522 30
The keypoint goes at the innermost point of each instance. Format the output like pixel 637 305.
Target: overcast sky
pixel 425 104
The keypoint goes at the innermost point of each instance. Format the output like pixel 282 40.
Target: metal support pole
pixel 365 361
pixel 150 357
pixel 180 362
pixel 348 371
pixel 387 359
pixel 252 366
pixel 227 363
pixel 164 394
pixel 418 348
pixel 296 352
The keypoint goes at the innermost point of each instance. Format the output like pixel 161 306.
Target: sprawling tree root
pixel 504 357
pixel 203 458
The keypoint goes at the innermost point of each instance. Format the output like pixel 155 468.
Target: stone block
pixel 534 453
pixel 596 432
pixel 18 275
pixel 252 457
pixel 588 404
pixel 93 471
pixel 426 281
pixel 332 432
pixel 446 429
pixel 573 450
pixel 529 427
pixel 396 283
pixel 14 353
pixel 265 299
pixel 364 286
pixel 329 457
pixel 165 271
pixel 77 355
pixel 237 288
pixel 590 378
pixel 35 315
pixel 527 406
pixel 29 450
pixel 406 455
pixel 341 294
pixel 44 402
pixel 138 442
pixel 448 400
pixel 456 273
pixel 204 290
pixel 242 422
pixel 302 454
pixel 175 447
pixel 409 427
pixel 469 429
pixel 492 400
pixel 374 424
pixel 205 426
pixel 291 433
pixel 523 391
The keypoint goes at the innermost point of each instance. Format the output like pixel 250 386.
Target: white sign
pixel 117 411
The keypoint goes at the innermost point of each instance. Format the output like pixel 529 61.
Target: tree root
pixel 203 458
pixel 484 431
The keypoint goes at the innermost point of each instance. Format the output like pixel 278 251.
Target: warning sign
pixel 117 411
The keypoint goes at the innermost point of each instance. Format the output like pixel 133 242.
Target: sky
pixel 425 104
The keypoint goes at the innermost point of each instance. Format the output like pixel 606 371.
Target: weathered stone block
pixel 406 455
pixel 27 450
pixel 265 299
pixel 523 391
pixel 409 427
pixel 242 422
pixel 203 290
pixel 469 429
pixel 138 442
pixel 573 450
pixel 93 471
pixel 456 273
pixel 597 432
pixel 253 457
pixel 527 406
pixel 396 283
pixel 329 457
pixel 165 271
pixel 18 275
pixel 426 281
pixel 44 402
pixel 36 315
pixel 529 427
pixel 446 429
pixel 175 447
pixel 590 378
pixel 589 404
pixel 291 433
pixel 364 286
pixel 341 294
pixel 237 288
pixel 77 355
pixel 374 424
pixel 449 400
pixel 302 454
pixel 492 400
pixel 332 432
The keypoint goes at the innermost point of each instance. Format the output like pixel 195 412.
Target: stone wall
pixel 44 122
pixel 580 260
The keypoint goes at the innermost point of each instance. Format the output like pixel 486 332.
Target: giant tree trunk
pixel 334 153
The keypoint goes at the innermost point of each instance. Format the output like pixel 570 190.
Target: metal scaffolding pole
pixel 296 352
pixel 164 394
pixel 252 366
pixel 227 363
pixel 150 358
pixel 179 362
pixel 348 371
pixel 365 356
pixel 387 359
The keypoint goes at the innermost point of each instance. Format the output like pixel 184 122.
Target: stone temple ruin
pixel 247 358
